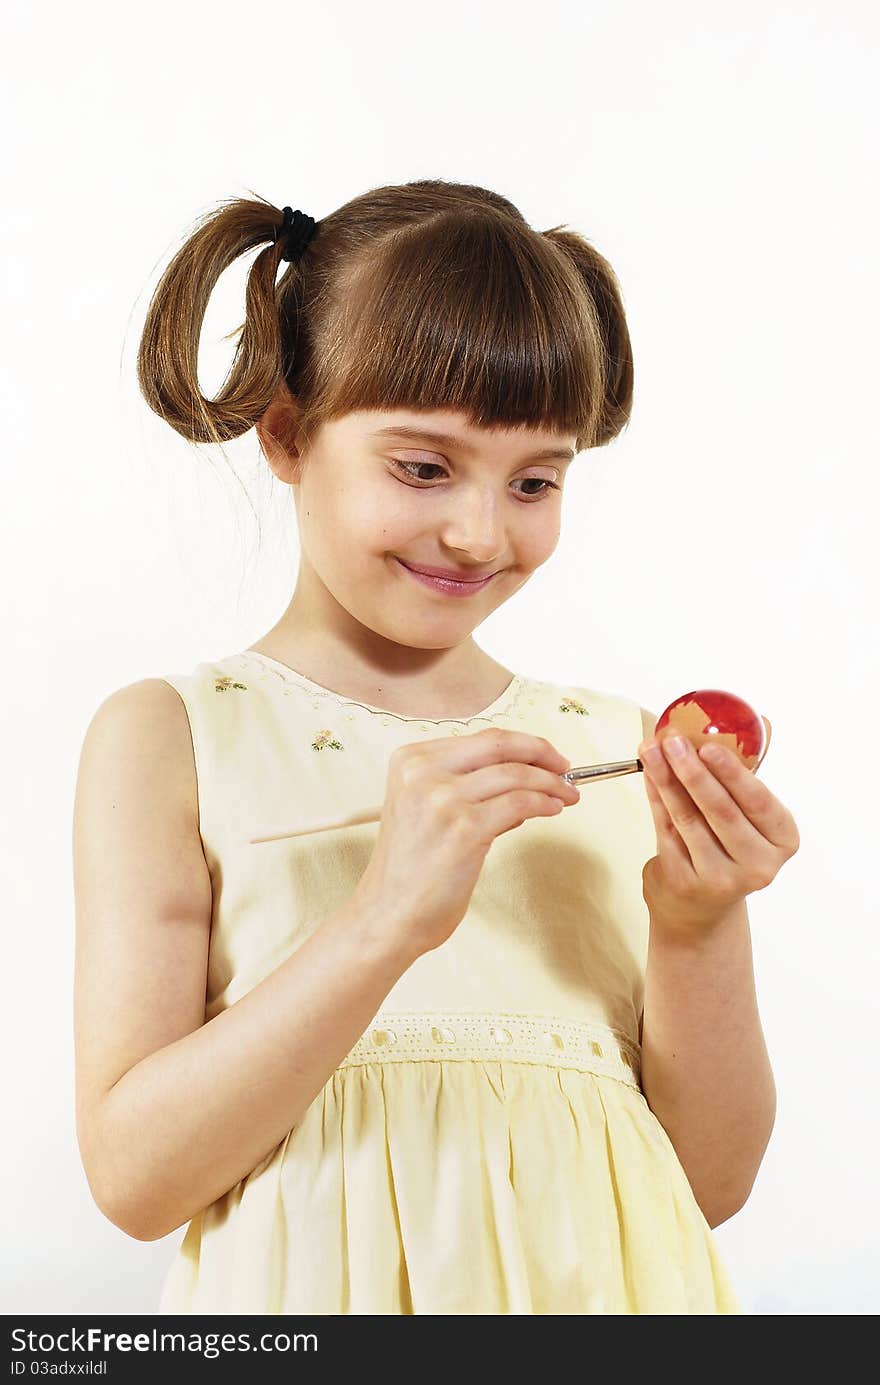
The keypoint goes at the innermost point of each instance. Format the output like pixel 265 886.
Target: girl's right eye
pixel 404 467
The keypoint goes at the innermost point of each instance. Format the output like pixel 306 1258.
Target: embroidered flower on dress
pixel 325 738
pixel 571 704
pixel 223 684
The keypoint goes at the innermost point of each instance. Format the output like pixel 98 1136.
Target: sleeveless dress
pixel 485 1146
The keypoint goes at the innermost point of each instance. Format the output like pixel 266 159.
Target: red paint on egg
pixel 712 714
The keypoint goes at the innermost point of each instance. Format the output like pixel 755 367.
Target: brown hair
pixel 424 295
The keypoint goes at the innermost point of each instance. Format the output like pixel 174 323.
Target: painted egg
pixel 711 714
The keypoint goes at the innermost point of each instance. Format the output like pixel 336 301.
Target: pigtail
pixel 603 288
pixel 167 363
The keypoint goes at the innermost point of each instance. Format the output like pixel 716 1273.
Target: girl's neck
pixel 435 691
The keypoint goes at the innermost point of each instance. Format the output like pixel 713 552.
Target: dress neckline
pixel 503 703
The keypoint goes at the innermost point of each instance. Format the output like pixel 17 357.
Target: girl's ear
pixel 277 431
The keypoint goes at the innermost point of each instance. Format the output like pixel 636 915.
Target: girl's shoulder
pixel 584 700
pixel 612 720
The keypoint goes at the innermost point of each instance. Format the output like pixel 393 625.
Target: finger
pixel 505 778
pixel 769 729
pixel 730 816
pixel 704 849
pixel 492 745
pixel 763 809
pixel 737 822
pixel 670 847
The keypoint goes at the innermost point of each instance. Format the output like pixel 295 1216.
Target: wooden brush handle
pixel 585 774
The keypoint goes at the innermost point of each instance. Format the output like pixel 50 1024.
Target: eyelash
pixel 403 466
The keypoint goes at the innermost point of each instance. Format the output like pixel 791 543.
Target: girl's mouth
pixel 447 585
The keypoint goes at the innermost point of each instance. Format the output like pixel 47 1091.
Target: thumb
pixel 769 729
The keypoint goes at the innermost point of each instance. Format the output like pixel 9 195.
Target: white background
pixel 724 159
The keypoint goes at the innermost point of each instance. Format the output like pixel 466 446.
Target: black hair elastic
pixel 298 228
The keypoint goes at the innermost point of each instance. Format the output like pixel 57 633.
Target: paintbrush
pixel 578 775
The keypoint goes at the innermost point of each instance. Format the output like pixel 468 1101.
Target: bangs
pixel 464 310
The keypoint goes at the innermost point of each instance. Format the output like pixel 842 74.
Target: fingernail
pixel 653 753
pixel 676 746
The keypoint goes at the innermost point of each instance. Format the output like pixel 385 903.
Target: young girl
pixel 496 1051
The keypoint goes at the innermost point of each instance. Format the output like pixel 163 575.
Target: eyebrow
pixel 449 440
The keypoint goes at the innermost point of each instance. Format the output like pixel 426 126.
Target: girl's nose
pixel 476 528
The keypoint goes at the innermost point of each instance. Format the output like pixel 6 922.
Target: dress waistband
pixel 412 1036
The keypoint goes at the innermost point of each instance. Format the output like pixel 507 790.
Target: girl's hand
pixel 446 801
pixel 721 834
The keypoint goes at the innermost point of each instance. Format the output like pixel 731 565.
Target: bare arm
pixel 705 1070
pixel 172 1112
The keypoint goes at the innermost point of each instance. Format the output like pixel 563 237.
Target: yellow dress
pixel 485 1147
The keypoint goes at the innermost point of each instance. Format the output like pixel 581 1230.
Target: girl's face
pixel 370 498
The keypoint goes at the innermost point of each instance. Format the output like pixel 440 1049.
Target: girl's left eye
pixel 404 467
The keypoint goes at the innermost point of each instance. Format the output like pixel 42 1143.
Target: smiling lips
pixel 443 580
